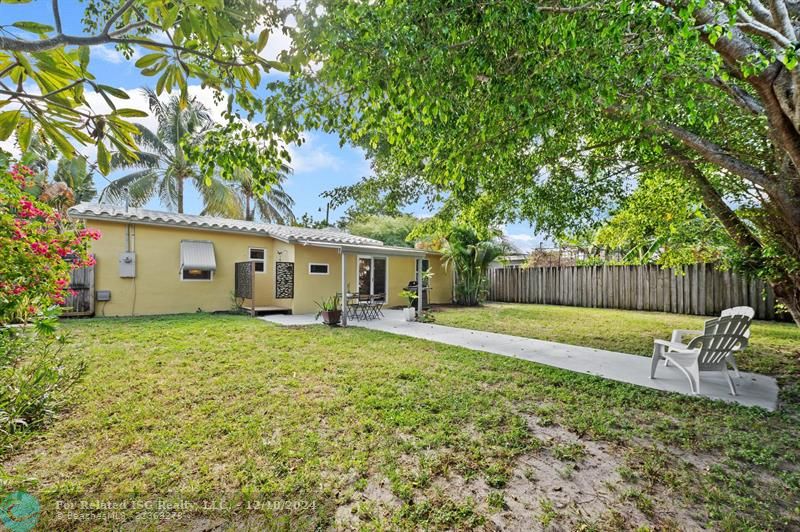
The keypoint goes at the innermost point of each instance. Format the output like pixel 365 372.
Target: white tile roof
pixel 281 232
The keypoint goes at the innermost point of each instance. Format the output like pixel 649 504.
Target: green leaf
pixel 263 37
pixel 276 65
pixel 61 142
pixel 113 91
pixel 149 59
pixel 8 121
pixel 83 54
pixel 33 27
pixel 24 133
pixel 103 158
pixel 131 113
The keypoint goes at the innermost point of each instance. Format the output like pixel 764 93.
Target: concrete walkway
pixel 752 389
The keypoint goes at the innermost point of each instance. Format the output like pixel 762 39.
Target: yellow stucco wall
pixel 441 284
pixel 158 289
pixel 399 271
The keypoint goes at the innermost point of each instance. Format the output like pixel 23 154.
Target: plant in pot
pixel 330 310
pixel 409 312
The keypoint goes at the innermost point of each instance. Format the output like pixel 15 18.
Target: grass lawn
pixel 203 421
pixel 774 346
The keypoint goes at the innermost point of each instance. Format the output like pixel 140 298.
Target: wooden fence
pixel 79 298
pixel 701 290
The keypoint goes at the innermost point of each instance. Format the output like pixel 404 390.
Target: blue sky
pixel 319 164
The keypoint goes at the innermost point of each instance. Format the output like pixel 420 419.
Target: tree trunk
pixel 785 285
pixel 788 292
pixel 180 195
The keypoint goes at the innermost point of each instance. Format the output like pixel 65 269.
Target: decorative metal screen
pixel 244 280
pixel 284 280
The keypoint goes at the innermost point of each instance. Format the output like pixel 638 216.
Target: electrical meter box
pixel 127 264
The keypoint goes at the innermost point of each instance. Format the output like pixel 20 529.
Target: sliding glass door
pixel 371 275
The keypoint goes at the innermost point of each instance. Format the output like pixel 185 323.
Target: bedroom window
pixel 195 274
pixel 259 257
pixel 317 269
pixel 197 260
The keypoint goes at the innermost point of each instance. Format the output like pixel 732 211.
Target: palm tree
pixel 470 256
pixel 161 167
pixel 273 206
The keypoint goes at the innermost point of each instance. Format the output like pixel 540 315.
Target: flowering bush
pixel 38 247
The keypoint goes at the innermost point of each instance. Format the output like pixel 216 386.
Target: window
pixel 259 256
pixel 197 260
pixel 194 274
pixel 317 269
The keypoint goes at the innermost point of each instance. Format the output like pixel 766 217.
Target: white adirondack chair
pixel 708 352
pixel 749 312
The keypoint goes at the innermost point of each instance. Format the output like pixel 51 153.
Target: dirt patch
pixel 371 504
pixel 568 484
pixel 573 482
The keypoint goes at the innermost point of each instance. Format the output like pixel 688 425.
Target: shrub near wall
pixel 34 241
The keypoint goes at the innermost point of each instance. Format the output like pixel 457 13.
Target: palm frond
pixel 276 206
pixel 219 198
pixel 168 192
pixel 141 186
pixel 148 139
pixel 156 107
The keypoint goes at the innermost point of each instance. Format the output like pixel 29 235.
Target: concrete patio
pixel 753 389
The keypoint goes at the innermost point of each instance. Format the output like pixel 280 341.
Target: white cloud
pixel 310 157
pixel 110 54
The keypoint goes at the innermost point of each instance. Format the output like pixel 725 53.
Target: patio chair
pixel 378 301
pixel 708 352
pixel 352 305
pixel 749 312
pixel 365 306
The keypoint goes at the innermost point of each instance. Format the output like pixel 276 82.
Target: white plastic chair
pixel 748 312
pixel 708 352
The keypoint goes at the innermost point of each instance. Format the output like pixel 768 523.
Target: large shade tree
pixel 160 165
pixel 47 73
pixel 549 110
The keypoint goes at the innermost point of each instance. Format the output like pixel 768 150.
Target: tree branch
pixel 756 28
pixel 717 155
pixel 781 16
pixel 761 13
pixel 739 96
pixel 57 16
pixel 121 11
pixel 734 226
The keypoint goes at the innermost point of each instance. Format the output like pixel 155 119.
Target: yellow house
pixel 151 262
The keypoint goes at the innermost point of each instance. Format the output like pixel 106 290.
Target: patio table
pixel 364 306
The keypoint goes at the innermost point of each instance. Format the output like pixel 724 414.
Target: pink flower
pixel 17 290
pixel 27 209
pixel 94 234
pixel 40 248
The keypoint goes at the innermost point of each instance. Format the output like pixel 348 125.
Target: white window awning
pixel 198 255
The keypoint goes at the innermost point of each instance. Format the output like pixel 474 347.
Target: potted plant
pixel 330 310
pixel 409 312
